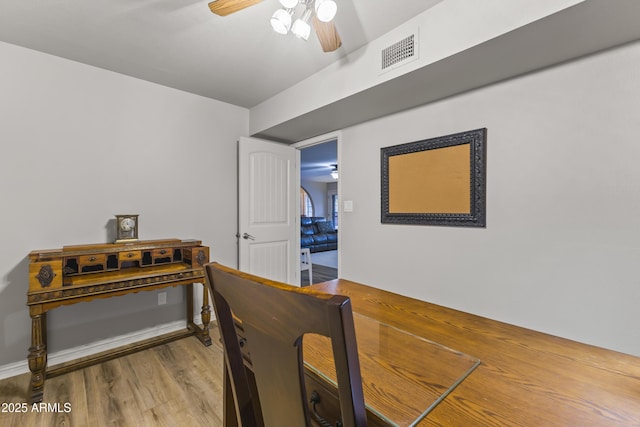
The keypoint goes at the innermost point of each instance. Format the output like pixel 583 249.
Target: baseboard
pixel 62 356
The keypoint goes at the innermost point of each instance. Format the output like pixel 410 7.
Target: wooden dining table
pixel 424 364
pixel 525 378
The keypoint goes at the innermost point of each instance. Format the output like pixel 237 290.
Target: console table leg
pixel 206 316
pixel 37 353
pixel 201 333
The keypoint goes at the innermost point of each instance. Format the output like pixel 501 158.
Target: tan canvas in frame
pixel 438 181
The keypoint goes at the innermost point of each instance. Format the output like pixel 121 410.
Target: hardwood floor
pixel 320 274
pixel 175 384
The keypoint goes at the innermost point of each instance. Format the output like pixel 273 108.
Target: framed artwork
pixel 437 181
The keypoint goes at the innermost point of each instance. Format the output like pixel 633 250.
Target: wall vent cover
pixel 398 52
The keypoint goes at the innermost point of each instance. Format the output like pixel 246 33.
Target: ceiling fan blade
pixel 327 34
pixel 227 7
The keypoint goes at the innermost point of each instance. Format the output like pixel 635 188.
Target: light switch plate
pixel 348 206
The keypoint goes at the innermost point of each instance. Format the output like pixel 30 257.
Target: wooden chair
pixel 275 316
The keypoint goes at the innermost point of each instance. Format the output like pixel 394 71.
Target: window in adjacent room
pixel 333 198
pixel 306 204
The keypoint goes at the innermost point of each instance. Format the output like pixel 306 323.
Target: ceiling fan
pixel 314 170
pixel 320 12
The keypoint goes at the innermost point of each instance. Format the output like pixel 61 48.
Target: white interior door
pixel 268 210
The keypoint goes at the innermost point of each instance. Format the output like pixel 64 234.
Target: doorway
pixel 319 208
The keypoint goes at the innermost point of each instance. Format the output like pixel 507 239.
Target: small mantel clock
pixel 126 228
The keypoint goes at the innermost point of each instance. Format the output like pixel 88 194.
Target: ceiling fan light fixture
pixel 281 21
pixel 334 171
pixel 326 10
pixel 289 4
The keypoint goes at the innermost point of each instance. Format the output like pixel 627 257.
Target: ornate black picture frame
pixel 437 181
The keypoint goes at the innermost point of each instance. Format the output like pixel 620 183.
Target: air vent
pixel 401 51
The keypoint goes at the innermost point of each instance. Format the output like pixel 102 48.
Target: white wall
pixel 80 144
pixel 318 193
pixel 561 249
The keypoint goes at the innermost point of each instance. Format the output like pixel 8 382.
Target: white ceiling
pixel 240 60
pixel 179 43
pixel 316 161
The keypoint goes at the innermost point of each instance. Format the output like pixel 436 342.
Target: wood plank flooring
pixel 175 384
pixel 320 273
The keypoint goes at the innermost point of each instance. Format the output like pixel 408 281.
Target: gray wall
pixel 81 144
pixel 318 193
pixel 561 249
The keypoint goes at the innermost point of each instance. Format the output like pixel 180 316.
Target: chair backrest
pixel 274 317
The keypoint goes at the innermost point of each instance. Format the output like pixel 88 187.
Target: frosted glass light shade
pixel 301 29
pixel 289 4
pixel 326 10
pixel 281 21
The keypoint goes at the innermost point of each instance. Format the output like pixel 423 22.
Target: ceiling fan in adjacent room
pixel 318 171
pixel 319 12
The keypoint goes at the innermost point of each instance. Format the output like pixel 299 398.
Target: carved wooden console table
pixel 76 274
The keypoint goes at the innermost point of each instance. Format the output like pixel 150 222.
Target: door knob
pixel 248 236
